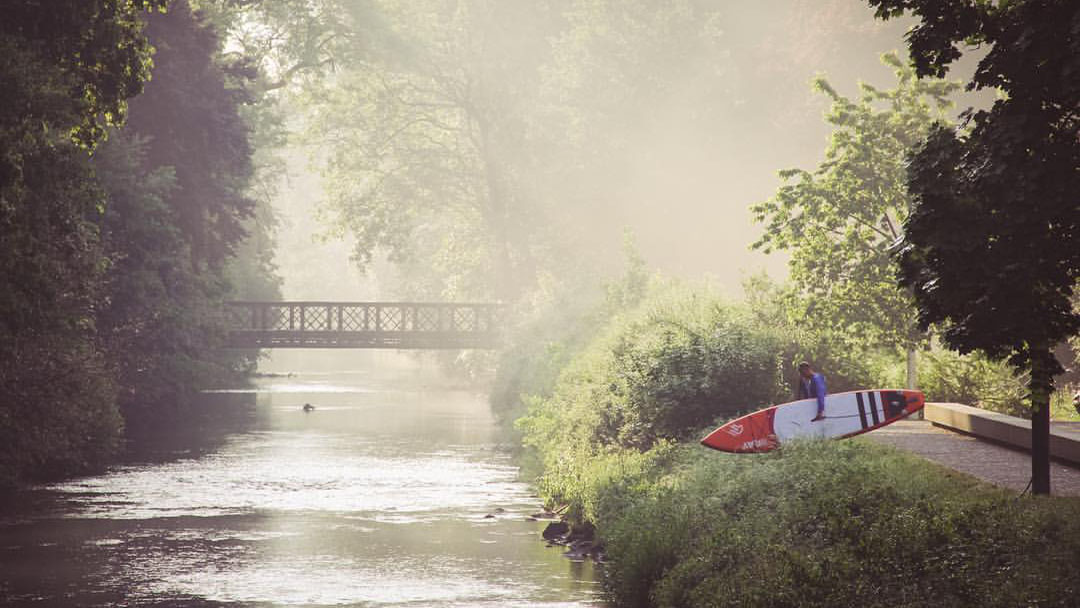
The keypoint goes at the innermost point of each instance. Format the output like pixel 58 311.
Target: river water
pixel 391 492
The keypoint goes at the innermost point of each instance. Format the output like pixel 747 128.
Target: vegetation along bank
pixel 612 410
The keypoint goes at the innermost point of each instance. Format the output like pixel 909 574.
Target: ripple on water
pixel 290 472
pixel 350 506
pixel 294 388
pixel 331 580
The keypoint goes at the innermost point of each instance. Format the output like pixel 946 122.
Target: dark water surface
pixel 381 496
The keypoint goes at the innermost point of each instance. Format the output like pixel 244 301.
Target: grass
pixel 827 523
pixel 1061 404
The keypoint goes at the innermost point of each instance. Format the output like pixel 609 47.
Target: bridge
pixel 397 325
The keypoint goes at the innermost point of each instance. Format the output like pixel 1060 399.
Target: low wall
pixel 1001 428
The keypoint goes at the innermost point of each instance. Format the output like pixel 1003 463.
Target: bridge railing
pixel 362 325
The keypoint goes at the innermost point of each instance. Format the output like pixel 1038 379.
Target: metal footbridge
pixel 392 325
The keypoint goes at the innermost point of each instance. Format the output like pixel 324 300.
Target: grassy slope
pixel 834 524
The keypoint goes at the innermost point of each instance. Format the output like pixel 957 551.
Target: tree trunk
pixel 1040 386
pixel 913 377
pixel 912 369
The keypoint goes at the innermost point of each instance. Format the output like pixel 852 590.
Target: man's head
pixel 805 370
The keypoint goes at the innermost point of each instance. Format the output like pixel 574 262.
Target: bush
pixel 972 380
pixel 555 326
pixel 679 361
pixel 662 372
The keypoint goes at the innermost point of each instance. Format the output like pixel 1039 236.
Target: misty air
pixel 542 304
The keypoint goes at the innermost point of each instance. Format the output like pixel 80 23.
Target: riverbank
pixel 823 523
pixel 613 441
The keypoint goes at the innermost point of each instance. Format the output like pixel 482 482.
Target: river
pixel 391 492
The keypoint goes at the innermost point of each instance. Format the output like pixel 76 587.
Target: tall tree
pixel 423 144
pixel 478 144
pixel 67 69
pixel 291 41
pixel 190 111
pixel 178 177
pixel 992 248
pixel 839 221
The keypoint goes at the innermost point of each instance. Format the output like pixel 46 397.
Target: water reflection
pixel 389 493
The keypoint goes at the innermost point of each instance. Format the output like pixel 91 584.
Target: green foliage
pixel 834 524
pixel 974 260
pixel 684 364
pixel 679 361
pixel 1062 404
pixel 989 251
pixel 92 50
pixel 561 321
pixel 178 176
pixel 985 251
pixel 466 144
pixel 291 42
pixel 423 151
pixel 56 399
pixel 158 320
pixel 847 365
pixel 204 138
pixel 658 372
pixel 839 221
pixel 110 267
pixel 57 411
pixel 972 380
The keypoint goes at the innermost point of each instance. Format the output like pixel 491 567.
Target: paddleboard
pixel 846 415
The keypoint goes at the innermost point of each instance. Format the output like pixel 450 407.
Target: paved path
pixel 991 462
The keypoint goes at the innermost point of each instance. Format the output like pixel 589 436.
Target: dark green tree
pixel 94 49
pixel 67 69
pixel 177 176
pixel 992 247
pixel 190 113
pixel 57 400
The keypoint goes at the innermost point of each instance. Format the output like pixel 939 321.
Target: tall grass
pixel 827 523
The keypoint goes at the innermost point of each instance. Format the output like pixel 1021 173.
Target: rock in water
pixel 556 529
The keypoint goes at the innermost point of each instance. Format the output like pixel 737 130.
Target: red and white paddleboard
pixel 846 414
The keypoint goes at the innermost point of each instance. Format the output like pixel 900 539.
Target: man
pixel 812 386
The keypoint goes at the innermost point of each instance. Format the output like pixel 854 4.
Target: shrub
pixel 972 380
pixel 654 375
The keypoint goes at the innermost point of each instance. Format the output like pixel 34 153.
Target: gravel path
pixel 990 462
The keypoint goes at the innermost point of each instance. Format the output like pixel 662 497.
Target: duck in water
pixel 308 407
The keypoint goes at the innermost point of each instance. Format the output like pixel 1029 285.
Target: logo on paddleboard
pixel 757 444
pixel 734 430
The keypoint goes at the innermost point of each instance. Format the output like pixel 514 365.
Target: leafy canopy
pixel 839 220
pixel 991 250
pixel 99 50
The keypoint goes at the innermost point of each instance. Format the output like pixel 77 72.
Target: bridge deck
pixel 397 325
